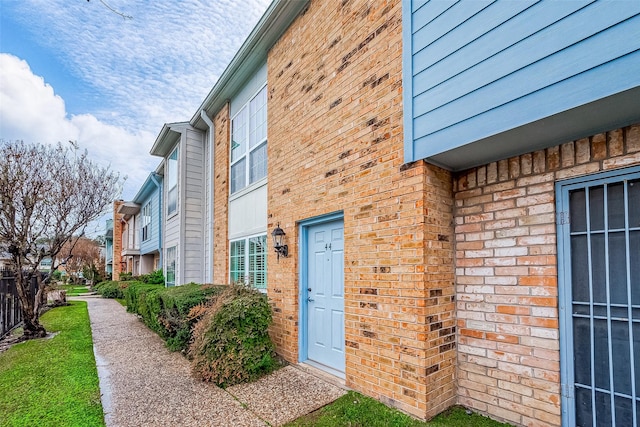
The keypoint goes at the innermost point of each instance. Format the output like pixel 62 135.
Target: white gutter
pixel 210 208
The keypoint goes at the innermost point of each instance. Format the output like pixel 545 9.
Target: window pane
pixel 172 182
pixel 257 262
pixel 171 266
pixel 238 176
pixel 239 135
pixel 173 169
pixel 237 261
pixel 258 163
pixel 258 118
pixel 172 200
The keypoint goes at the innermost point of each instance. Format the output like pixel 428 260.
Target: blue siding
pixel 477 69
pixel 151 244
pixel 151 192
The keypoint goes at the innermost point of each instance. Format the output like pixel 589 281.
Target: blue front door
pixel 325 295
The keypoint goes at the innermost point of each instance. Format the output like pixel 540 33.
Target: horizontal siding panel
pixel 440 64
pixel 417 4
pixel 426 11
pixel 579 58
pixel 571 92
pixel 588 43
pixel 474 71
pixel 446 22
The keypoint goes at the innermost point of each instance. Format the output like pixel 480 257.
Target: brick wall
pixel 221 123
pixel 117 240
pixel 335 144
pixel 506 275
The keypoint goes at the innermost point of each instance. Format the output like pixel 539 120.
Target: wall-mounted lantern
pixel 278 242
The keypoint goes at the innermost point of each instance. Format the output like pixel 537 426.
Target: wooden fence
pixel 10 313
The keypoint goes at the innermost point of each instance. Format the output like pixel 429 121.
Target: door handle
pixel 309 299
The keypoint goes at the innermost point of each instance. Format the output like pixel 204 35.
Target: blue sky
pixel 73 70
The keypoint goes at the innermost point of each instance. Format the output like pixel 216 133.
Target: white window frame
pixel 171 259
pixel 246 278
pixel 146 222
pixel 249 149
pixel 172 187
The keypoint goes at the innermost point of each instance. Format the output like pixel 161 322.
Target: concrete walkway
pixel 144 384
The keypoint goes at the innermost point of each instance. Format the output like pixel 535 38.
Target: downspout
pixel 156 181
pixel 209 124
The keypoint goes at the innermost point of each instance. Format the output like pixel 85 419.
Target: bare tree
pixel 81 254
pixel 117 12
pixel 47 196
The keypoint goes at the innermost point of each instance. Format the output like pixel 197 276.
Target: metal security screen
pixel 600 255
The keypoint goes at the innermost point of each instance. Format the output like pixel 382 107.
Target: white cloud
pixel 155 68
pixel 152 69
pixel 32 112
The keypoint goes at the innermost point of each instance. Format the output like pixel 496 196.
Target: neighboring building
pixel 5 259
pixel 187 218
pixel 108 248
pixel 130 255
pixel 149 198
pixel 117 264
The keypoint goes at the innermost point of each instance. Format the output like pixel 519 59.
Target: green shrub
pixel 135 297
pixel 231 343
pixel 169 311
pixel 111 289
pixel 174 310
pixel 154 278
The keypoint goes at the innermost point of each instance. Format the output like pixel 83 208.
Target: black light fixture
pixel 278 240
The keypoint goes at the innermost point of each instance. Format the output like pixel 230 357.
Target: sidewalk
pixel 144 384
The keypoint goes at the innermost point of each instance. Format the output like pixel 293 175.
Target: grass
pixel 356 410
pixel 52 382
pixel 74 290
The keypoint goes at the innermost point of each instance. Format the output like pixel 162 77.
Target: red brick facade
pixel 117 240
pixel 335 112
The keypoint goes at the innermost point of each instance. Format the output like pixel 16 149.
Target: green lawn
pixel 74 290
pixel 52 382
pixel 356 410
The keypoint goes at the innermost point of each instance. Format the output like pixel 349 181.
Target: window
pixel 248 261
pixel 172 183
pixel 171 266
pixel 249 143
pixel 146 221
pixel 237 259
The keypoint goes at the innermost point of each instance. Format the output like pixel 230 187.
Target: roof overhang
pixel 151 184
pixel 612 112
pixel 128 209
pixel 167 138
pixel 251 55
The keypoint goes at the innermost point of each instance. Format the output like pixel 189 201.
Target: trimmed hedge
pixel 111 289
pixel 169 311
pixel 135 296
pixel 231 343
